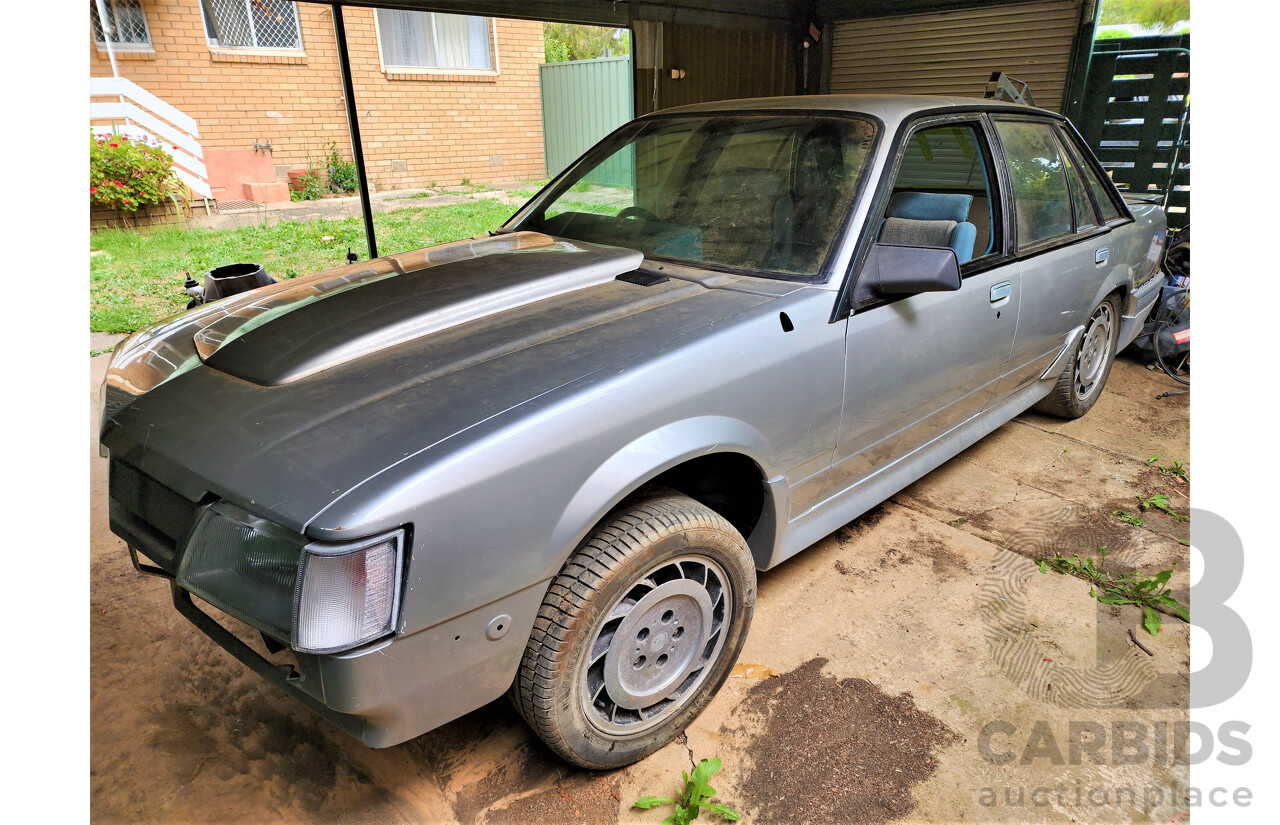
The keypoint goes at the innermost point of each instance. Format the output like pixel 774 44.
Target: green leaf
pixel 1162 578
pixel 1168 601
pixel 1150 620
pixel 1042 563
pixel 647 802
pixel 706 769
pixel 671 820
pixel 1114 598
pixel 1153 460
pixel 724 810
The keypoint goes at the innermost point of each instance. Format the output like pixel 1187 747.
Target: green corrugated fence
pixel 582 101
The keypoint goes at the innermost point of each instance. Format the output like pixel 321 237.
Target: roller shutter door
pixel 954 53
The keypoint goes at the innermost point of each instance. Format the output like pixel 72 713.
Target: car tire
pixel 1086 373
pixel 637 632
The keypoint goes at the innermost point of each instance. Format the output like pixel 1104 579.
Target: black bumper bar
pixel 285 677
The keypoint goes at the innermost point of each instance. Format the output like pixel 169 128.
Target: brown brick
pixel 229 96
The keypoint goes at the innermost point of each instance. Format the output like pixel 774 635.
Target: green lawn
pixel 138 278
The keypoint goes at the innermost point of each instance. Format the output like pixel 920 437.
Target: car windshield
pixel 763 193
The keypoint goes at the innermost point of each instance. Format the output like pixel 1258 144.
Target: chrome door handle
pixel 1100 257
pixel 1001 291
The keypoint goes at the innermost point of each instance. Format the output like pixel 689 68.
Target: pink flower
pixel 117 183
pixel 92 189
pixel 114 145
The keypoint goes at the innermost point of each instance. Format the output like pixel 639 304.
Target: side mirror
pixel 907 270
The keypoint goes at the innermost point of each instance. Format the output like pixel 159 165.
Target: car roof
pixel 888 108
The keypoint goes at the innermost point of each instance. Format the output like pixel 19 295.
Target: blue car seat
pixel 930 219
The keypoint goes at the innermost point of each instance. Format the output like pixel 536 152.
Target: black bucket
pixel 233 279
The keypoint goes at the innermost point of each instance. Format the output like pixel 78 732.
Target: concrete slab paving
pixel 914 665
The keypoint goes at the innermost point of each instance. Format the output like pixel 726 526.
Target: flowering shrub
pixel 129 173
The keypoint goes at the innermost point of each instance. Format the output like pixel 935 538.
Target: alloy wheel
pixel 1091 360
pixel 656 646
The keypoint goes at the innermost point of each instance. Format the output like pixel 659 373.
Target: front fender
pixel 654 453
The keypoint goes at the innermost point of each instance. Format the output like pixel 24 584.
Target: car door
pixel 1061 243
pixel 918 366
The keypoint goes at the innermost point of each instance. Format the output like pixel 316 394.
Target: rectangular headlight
pixel 349 593
pixel 245 566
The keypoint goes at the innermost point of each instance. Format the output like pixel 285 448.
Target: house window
pixel 128 23
pixel 428 40
pixel 252 24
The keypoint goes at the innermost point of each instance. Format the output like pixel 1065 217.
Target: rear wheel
pixel 1085 375
pixel 637 632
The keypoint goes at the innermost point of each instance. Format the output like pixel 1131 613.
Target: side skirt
pixel 845 506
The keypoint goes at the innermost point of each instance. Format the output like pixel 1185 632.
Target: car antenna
pixel 351 256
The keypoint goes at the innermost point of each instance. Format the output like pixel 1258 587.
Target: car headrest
pixel 930 206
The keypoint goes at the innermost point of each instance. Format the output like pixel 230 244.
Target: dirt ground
pixel 914 665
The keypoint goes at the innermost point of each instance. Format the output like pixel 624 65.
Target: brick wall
pixel 100 217
pixel 417 128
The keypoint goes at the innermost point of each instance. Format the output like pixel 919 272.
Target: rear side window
pixel 1038 176
pixel 1086 216
pixel 1101 191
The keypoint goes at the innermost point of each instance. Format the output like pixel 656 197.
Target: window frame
pixel 989 111
pixel 120 45
pixel 254 49
pixel 997 236
pixel 1044 244
pixel 436 70
pixel 997 185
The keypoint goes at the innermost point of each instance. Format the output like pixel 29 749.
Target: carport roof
pixel 727 14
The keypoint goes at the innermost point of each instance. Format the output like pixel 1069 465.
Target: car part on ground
pixel 1166 335
pixel 225 281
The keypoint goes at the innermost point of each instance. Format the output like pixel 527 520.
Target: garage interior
pixel 880 657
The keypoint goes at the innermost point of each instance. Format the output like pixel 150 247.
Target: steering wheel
pixel 638 212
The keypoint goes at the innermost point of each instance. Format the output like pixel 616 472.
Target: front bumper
pixel 399 688
pixel 383 693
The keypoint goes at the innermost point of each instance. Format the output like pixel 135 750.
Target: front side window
pixel 762 193
pixel 127 23
pixel 251 24
pixel 428 40
pixel 1041 196
pixel 942 194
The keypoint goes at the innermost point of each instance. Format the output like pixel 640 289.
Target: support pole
pixel 353 124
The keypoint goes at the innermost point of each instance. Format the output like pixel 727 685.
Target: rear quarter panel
pixel 1136 251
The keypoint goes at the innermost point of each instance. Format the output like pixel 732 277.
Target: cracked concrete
pixel 932 596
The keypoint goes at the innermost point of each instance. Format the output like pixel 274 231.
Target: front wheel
pixel 1085 375
pixel 637 632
